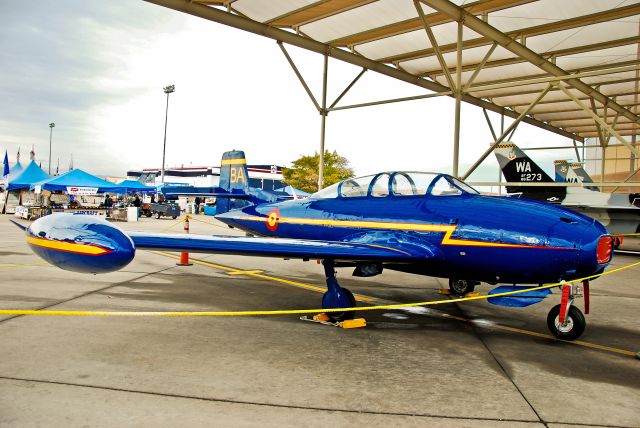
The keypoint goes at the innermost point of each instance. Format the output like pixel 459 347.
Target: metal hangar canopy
pixel 571 67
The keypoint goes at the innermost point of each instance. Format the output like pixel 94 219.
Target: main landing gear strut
pixel 336 296
pixel 565 320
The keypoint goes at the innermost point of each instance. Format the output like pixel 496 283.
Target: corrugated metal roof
pixel 522 46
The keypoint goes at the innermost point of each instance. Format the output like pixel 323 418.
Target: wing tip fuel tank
pixel 80 243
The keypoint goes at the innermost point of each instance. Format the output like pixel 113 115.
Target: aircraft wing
pixel 282 247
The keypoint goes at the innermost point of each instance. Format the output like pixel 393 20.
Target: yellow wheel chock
pixel 324 319
pixel 447 292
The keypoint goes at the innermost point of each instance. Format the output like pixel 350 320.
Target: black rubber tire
pixel 346 315
pixel 460 287
pixel 576 326
pixel 174 217
pixel 148 215
pixel 157 215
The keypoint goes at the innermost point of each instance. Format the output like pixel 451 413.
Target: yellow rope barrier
pixel 209 223
pixel 175 223
pixel 297 311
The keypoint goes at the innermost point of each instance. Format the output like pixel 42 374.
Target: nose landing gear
pixel 566 321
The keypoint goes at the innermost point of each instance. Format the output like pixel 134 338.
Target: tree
pixel 303 173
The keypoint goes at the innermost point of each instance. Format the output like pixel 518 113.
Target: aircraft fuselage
pixel 475 237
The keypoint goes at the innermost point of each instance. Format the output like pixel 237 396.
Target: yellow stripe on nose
pixel 71 247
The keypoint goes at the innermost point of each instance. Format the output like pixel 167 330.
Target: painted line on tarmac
pixel 628 252
pixel 24 265
pixel 413 310
pixel 256 274
pixel 245 272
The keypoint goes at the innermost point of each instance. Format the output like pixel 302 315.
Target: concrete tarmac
pixel 459 365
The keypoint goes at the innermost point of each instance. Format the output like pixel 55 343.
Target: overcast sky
pixel 97 68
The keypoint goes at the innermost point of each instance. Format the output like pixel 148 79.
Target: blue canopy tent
pixel 30 175
pixel 78 178
pixel 132 186
pixel 15 170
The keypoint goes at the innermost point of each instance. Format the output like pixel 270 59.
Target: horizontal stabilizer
pixel 218 192
pixel 520 300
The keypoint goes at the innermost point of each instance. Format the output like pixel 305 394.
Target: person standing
pixel 196 205
pixel 137 203
pixel 108 203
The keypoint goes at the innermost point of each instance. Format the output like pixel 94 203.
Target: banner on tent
pixel 13 200
pixel 77 190
pixel 27 198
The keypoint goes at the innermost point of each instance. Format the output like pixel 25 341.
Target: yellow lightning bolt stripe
pixel 447 229
pixel 71 247
pixel 233 162
pixel 447 240
pixel 361 224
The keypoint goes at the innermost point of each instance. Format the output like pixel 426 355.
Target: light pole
pixel 167 90
pixel 51 126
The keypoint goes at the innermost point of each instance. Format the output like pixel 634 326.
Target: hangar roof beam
pixel 244 23
pixel 507 132
pixel 413 24
pixel 600 122
pixel 549 54
pixel 507 42
pixel 537 30
pixel 600 70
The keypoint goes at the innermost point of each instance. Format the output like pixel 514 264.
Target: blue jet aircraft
pixel 422 223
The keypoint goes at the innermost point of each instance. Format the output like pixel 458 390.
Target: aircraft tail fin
pixel 572 173
pixel 517 167
pixel 234 178
pixel 562 169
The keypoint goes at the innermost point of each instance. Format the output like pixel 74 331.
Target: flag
pixel 32 154
pixel 6 164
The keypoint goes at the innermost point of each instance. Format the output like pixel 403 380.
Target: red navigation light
pixel 604 249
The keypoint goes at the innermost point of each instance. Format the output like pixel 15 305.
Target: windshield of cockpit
pixel 396 184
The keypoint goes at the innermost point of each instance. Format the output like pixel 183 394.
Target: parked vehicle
pixel 164 210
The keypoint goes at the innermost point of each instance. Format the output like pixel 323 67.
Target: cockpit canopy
pixel 397 183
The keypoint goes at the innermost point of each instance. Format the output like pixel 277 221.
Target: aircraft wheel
pixel 574 327
pixel 341 316
pixel 460 287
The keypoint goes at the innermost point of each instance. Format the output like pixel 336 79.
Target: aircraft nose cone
pixel 596 249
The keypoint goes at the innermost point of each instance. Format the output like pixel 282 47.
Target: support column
pixel 603 146
pixel 495 137
pixel 458 89
pixel 323 114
